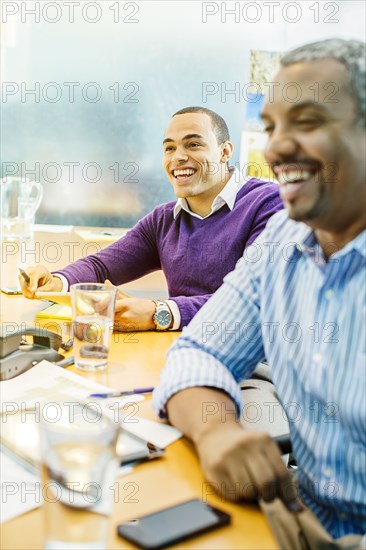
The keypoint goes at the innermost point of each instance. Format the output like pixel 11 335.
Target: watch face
pixel 163 318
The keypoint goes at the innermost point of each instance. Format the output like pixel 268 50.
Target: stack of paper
pixel 23 397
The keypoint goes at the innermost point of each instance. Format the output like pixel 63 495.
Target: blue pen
pixel 122 393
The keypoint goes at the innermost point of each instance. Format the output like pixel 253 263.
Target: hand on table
pixel 133 314
pixel 40 280
pixel 245 465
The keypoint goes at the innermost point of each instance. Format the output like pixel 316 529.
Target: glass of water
pixel 79 465
pixel 93 317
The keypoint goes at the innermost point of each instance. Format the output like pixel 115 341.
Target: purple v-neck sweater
pixel 194 254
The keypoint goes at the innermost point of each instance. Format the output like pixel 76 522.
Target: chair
pixel 262 410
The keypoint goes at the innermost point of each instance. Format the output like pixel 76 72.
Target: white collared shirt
pixel 226 196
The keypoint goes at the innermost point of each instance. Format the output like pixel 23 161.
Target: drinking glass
pixel 93 318
pixel 19 200
pixel 79 465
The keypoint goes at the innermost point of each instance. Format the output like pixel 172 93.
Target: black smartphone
pixel 172 525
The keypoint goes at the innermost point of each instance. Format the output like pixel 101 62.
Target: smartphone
pixel 173 524
pixel 11 290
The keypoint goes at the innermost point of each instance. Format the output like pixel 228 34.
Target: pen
pixel 122 393
pixel 24 275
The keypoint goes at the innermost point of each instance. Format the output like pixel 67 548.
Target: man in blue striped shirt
pixel 297 297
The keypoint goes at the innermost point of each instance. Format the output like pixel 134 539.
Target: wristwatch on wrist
pixel 162 317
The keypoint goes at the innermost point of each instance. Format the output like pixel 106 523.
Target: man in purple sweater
pixel 196 241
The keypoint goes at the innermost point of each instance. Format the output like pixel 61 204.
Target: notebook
pixel 56 311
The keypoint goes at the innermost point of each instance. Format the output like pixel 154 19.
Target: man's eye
pixel 268 128
pixel 168 148
pixel 194 145
pixel 308 121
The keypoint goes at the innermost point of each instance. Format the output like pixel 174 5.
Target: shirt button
pixel 328 472
pixel 317 357
pixel 343 516
pixel 329 294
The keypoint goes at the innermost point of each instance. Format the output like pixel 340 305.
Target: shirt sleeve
pixel 222 344
pixel 64 281
pixel 176 314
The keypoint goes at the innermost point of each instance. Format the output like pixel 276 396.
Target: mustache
pixel 294 163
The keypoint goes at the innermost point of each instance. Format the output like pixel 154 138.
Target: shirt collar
pixel 307 243
pixel 226 196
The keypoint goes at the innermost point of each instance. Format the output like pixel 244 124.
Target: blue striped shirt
pixel 307 317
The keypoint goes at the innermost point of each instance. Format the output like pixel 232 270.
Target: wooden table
pixel 136 360
pixel 56 250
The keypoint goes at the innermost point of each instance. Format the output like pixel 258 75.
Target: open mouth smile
pixel 294 180
pixel 183 175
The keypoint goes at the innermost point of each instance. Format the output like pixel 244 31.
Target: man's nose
pixel 179 154
pixel 281 144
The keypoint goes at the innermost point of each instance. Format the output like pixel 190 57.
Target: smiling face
pixel 315 147
pixel 196 165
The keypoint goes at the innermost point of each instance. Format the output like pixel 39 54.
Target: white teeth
pixel 186 172
pixel 291 176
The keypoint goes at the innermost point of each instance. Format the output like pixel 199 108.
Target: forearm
pixel 198 411
pixel 240 463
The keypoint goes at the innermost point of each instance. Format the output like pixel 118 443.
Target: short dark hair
pixel 219 125
pixel 351 53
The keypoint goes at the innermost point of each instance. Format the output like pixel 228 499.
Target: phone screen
pixel 173 524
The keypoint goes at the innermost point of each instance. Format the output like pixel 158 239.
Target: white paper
pixel 100 234
pixel 53 228
pixel 47 382
pixel 20 491
pixel 48 385
pixel 156 433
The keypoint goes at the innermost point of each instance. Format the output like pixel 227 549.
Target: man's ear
pixel 226 151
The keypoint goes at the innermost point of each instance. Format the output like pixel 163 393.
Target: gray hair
pixel 351 53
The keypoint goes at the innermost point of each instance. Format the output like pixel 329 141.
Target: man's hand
pixel 132 314
pixel 241 464
pixel 40 280
pixel 245 465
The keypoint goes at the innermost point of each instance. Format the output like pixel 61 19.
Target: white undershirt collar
pixel 226 196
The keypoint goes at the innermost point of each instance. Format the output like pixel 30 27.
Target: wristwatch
pixel 162 317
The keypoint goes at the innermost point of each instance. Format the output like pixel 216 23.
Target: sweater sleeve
pixel 134 255
pixel 188 306
pixel 270 204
